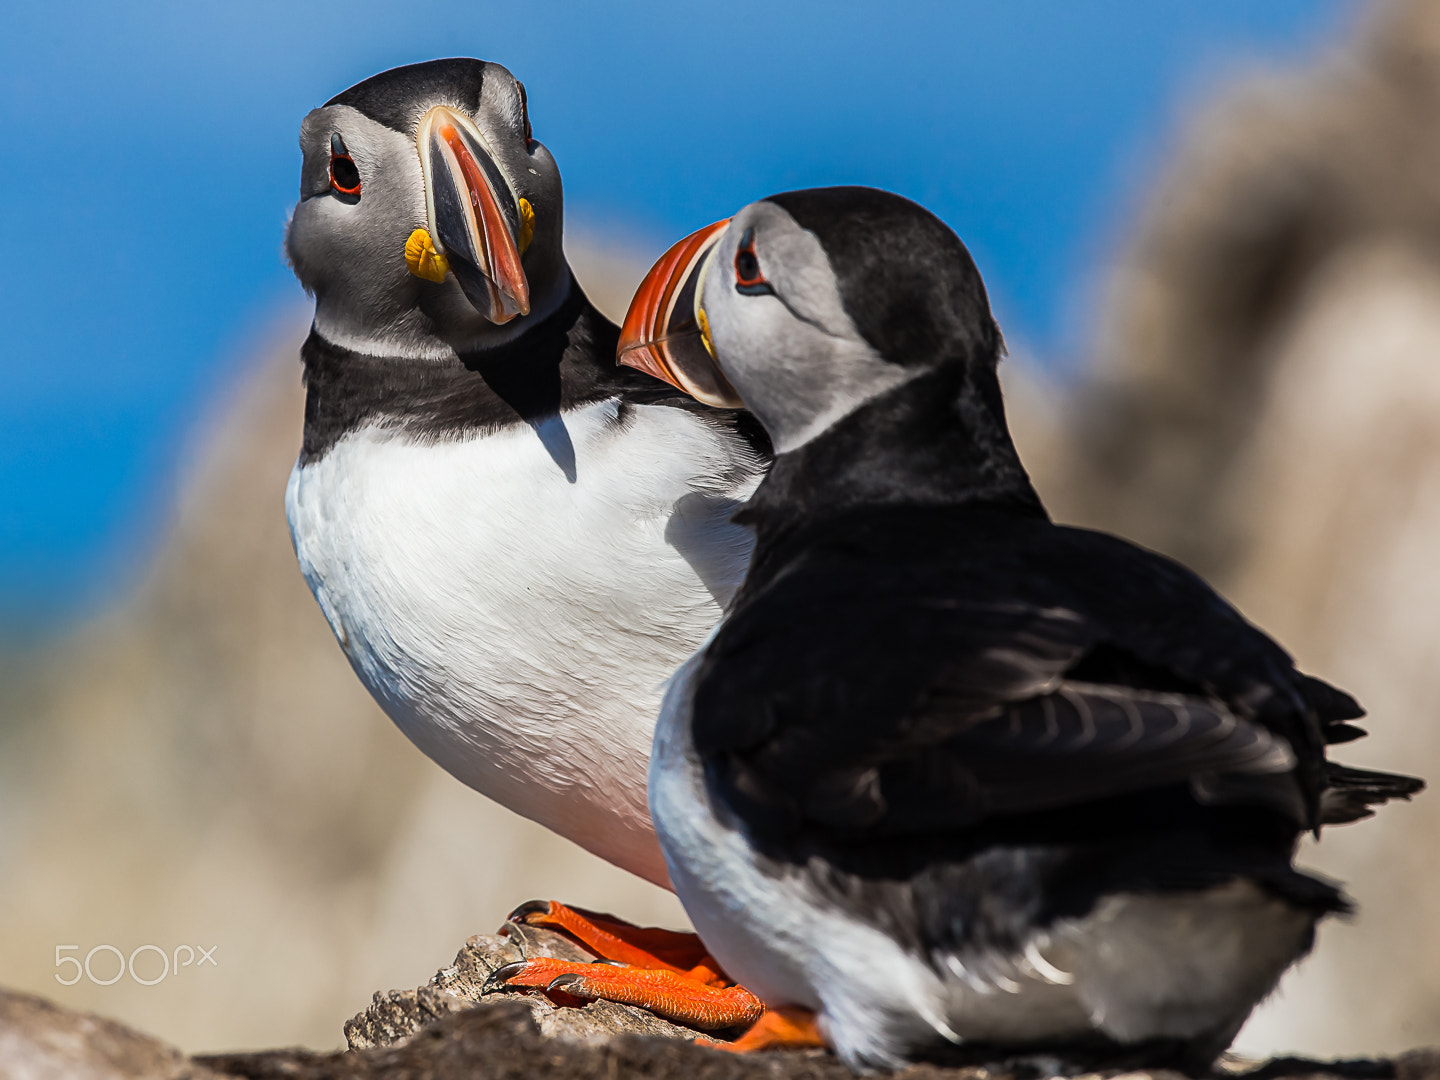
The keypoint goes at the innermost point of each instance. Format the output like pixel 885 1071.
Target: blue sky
pixel 150 161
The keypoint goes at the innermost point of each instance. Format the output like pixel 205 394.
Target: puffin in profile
pixel 948 772
pixel 514 540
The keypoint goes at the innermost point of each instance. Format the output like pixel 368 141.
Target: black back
pixel 962 721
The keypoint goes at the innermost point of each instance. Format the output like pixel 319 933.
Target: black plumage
pixel 398 97
pixel 960 718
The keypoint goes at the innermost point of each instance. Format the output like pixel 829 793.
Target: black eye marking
pixel 525 111
pixel 344 176
pixel 749 281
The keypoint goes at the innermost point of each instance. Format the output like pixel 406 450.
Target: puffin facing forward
pixel 514 540
pixel 948 772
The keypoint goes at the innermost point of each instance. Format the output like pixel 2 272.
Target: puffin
pixel 949 774
pixel 514 540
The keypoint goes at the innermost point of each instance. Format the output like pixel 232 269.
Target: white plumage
pixel 515 600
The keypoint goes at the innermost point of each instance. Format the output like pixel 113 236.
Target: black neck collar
pixel 563 361
pixel 938 440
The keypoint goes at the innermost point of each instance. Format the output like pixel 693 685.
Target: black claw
pixel 563 980
pixel 530 907
pixel 500 974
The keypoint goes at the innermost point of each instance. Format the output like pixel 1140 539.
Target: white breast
pixel 515 601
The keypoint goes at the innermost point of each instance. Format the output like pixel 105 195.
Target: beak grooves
pixel 476 221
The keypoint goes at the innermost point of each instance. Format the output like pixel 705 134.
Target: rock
pixel 1418 1064
pixel 41 1041
pixel 503 1037
pixel 397 1015
pixel 500 1041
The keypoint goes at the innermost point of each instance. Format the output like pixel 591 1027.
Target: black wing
pixel 916 675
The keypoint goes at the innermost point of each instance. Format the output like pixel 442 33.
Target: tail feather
pixel 1341 732
pixel 1349 793
pixel 1330 703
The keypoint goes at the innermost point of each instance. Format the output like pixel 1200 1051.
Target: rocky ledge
pixel 452 1028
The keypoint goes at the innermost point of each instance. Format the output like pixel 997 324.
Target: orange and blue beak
pixel 666 333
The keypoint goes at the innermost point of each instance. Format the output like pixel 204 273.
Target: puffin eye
pixel 749 281
pixel 344 176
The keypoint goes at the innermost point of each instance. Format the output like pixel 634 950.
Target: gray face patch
pixel 794 353
pixel 349 253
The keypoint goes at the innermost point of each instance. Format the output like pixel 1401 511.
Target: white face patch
pixel 794 355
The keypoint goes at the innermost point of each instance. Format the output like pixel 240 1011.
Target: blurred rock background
pixel 199 766
pixel 1264 404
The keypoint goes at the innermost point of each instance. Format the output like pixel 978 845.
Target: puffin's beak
pixel 666 333
pixel 476 220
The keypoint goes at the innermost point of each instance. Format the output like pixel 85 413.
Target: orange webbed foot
pixel 668 972
pixel 611 938
pixel 672 995
pixel 785 1027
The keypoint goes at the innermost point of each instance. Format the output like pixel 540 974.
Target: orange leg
pixel 782 1027
pixel 673 995
pixel 668 972
pixel 615 939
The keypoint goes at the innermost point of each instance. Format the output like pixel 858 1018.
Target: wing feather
pixel 902 683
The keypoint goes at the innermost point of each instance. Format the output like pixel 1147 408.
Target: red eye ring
pixel 749 281
pixel 344 176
